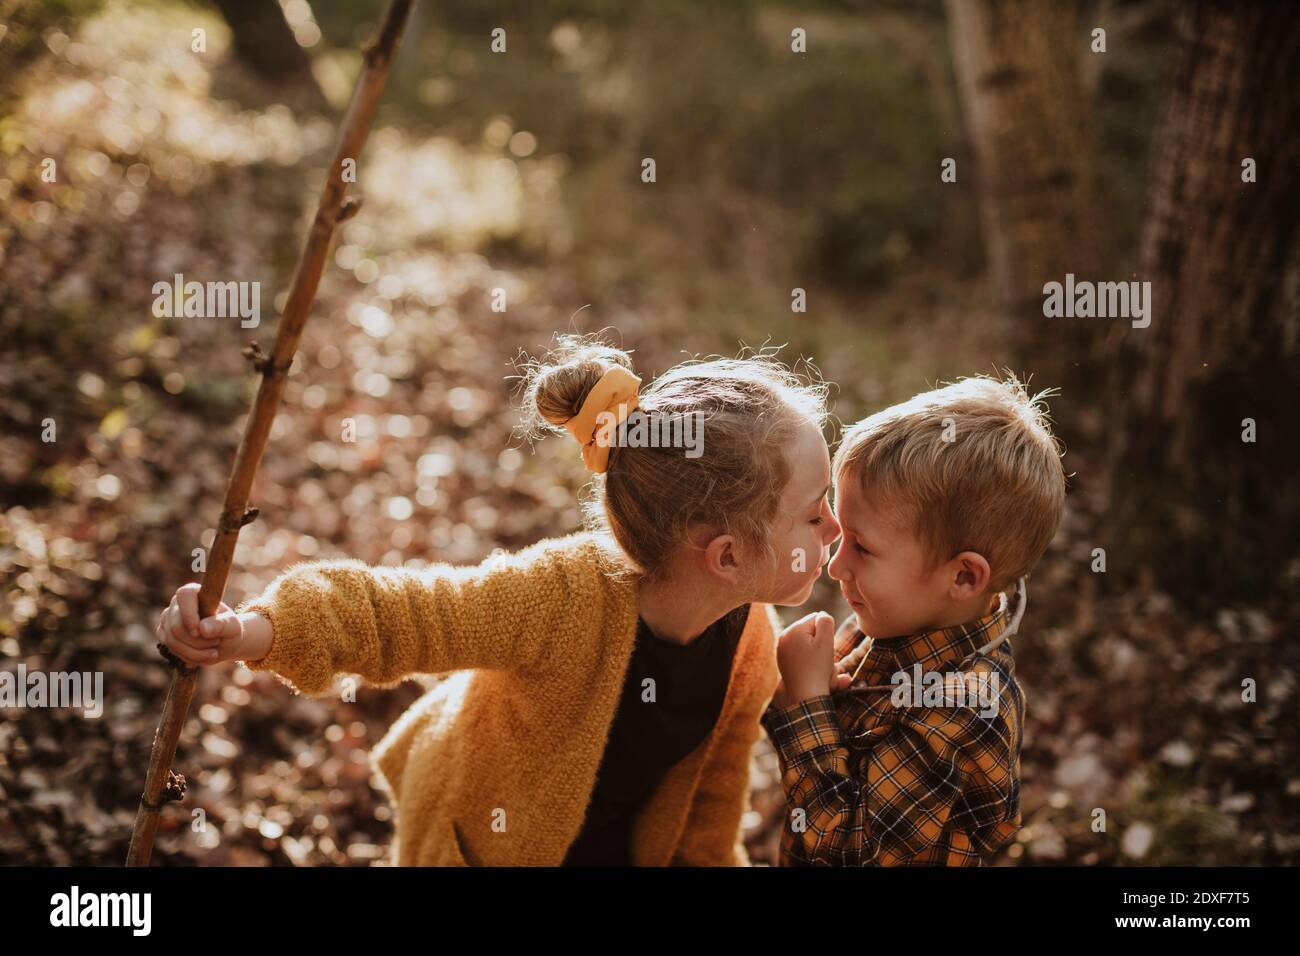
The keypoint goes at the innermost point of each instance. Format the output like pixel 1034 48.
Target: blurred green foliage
pixel 23 25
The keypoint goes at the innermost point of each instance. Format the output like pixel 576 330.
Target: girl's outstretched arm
pixel 322 619
pixel 384 624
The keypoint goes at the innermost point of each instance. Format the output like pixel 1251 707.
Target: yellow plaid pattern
pixel 872 779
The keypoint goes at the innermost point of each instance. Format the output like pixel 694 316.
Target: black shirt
pixel 656 726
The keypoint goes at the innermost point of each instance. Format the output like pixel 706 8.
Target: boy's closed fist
pixel 805 653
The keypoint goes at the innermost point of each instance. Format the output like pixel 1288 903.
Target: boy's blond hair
pixel 973 465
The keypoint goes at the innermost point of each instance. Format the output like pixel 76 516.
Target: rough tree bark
pixel 1018 69
pixel 1221 347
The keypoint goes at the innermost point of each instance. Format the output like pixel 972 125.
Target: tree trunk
pixel 1018 68
pixel 261 38
pixel 1222 341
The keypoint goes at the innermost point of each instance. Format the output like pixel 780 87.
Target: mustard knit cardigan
pixel 496 764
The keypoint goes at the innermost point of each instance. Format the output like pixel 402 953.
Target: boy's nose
pixel 836 569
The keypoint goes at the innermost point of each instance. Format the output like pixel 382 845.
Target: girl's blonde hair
pixel 649 498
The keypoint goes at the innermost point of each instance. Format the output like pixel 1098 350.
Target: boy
pixel 945 502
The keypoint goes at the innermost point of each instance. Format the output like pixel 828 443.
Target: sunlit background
pixel 521 171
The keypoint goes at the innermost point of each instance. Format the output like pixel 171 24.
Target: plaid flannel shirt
pixel 881 784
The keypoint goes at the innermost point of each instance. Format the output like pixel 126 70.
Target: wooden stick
pixel 162 783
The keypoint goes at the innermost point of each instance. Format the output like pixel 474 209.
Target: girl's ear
pixel 971 577
pixel 722 558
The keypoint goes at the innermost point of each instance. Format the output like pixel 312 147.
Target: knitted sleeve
pixel 385 624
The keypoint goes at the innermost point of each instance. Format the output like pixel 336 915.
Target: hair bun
pixel 559 385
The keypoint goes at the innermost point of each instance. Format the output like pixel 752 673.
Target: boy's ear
pixel 971 575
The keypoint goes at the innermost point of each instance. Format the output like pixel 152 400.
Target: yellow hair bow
pixel 614 395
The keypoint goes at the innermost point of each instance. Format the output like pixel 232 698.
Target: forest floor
pixel 1135 706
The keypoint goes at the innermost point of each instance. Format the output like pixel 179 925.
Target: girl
pixel 608 684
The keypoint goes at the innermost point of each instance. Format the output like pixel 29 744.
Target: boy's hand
pixel 805 653
pixel 213 640
pixel 846 665
pixel 843 678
